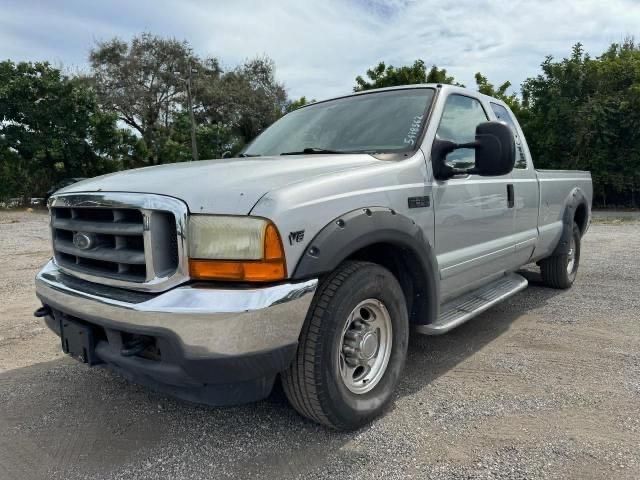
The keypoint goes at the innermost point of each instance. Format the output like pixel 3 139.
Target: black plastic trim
pixel 218 394
pixel 365 227
pixel 575 199
pixel 214 380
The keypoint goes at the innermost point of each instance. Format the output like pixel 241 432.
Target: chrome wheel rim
pixel 365 346
pixel 571 256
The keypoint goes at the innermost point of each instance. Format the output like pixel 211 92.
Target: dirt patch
pixel 25 244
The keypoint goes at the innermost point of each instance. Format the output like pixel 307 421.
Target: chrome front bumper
pixel 205 321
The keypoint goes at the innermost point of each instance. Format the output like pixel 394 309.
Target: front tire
pixel 560 271
pixel 352 348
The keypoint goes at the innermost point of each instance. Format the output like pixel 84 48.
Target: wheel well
pixel 403 264
pixel 580 217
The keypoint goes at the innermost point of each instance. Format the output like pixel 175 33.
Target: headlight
pixel 235 248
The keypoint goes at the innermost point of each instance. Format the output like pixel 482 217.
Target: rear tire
pixel 352 348
pixel 560 271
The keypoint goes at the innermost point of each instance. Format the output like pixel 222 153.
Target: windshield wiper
pixel 243 155
pixel 312 150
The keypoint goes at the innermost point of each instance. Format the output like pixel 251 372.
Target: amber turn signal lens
pixel 271 268
pixel 272 243
pixel 249 271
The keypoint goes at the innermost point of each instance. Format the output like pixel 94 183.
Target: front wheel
pixel 560 271
pixel 352 347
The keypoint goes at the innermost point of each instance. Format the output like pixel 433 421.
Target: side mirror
pixel 495 152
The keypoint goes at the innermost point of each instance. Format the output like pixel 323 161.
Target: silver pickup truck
pixel 343 226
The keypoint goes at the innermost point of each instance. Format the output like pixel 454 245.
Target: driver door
pixel 473 214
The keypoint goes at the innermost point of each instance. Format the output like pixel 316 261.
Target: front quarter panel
pixel 301 210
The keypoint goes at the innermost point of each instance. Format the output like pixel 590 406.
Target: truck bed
pixel 556 187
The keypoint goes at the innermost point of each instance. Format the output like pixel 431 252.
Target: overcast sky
pixel 320 46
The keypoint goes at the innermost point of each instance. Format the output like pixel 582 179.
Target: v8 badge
pixel 296 237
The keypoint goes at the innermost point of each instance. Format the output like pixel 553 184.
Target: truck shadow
pixel 60 419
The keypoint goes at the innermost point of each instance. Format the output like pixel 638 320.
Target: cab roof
pixel 441 86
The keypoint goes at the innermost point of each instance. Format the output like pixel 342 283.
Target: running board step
pixel 461 309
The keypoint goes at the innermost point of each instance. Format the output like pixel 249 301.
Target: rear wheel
pixel 352 347
pixel 560 271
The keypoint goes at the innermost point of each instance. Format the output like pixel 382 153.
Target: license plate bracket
pixel 78 341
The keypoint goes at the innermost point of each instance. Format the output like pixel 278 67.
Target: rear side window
pixel 503 115
pixel 460 118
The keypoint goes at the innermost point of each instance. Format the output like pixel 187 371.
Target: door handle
pixel 511 201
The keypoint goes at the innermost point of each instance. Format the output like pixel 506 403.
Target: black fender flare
pixel 575 199
pixel 364 227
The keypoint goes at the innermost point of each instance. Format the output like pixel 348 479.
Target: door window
pixel 503 115
pixel 460 118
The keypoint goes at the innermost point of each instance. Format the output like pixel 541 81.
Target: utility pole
pixel 194 143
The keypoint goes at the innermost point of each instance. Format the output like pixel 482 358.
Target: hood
pixel 228 186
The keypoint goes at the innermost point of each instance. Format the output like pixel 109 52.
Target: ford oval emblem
pixel 83 241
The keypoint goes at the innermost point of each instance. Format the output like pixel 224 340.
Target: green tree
pixel 584 113
pixel 145 84
pixel 50 128
pixel 296 104
pixel 383 75
pixel 151 83
pixel 244 101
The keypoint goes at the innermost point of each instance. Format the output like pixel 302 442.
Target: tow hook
pixel 43 311
pixel 135 346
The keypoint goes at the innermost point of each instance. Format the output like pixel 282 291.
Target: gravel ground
pixel 545 385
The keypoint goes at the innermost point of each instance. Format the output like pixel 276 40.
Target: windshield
pixel 388 121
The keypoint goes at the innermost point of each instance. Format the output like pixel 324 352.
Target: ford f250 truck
pixel 311 256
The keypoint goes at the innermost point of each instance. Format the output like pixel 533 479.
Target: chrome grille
pixel 120 239
pixel 115 248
